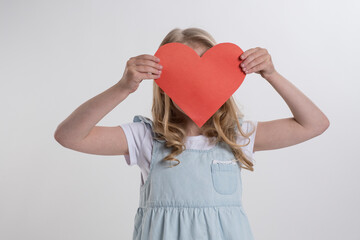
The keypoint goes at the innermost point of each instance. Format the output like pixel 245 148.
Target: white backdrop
pixel 55 55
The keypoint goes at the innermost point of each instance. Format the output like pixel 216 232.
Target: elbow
pixel 325 124
pixel 65 138
pixel 59 137
pixel 322 126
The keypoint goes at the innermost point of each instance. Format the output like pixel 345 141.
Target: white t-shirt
pixel 140 142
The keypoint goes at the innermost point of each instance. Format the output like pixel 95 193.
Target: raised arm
pixel 308 120
pixel 78 131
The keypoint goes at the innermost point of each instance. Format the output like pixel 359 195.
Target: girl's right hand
pixel 138 68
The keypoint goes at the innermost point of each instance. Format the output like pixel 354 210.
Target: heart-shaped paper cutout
pixel 200 85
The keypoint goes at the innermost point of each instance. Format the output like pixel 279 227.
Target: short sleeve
pixel 247 127
pixel 137 135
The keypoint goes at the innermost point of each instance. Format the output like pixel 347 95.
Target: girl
pixel 190 177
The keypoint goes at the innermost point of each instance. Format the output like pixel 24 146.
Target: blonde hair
pixel 168 121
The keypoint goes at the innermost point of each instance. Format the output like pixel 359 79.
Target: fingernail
pixel 242 56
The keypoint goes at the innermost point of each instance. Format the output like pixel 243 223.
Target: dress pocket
pixel 224 176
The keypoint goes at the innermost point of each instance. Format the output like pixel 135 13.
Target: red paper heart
pixel 200 85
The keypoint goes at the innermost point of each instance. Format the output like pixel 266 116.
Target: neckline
pixel 199 150
pixel 196 136
pixel 194 150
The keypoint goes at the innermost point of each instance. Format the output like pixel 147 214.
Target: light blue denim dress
pixel 199 199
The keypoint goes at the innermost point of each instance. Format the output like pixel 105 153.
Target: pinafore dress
pixel 199 199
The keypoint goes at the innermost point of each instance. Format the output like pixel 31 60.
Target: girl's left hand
pixel 257 60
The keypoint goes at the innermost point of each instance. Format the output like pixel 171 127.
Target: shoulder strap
pixel 148 122
pixel 140 118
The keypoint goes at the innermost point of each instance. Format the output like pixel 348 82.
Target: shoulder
pixel 135 128
pixel 140 125
pixel 139 138
pixel 248 126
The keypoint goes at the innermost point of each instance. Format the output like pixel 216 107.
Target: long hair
pixel 168 121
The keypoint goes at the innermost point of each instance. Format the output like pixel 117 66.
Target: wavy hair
pixel 168 121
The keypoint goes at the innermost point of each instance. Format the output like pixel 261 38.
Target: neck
pixel 191 128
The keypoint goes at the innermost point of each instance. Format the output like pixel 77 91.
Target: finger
pixel 247 53
pixel 257 68
pixel 149 76
pixel 147 69
pixel 251 56
pixel 147 62
pixel 149 57
pixel 258 59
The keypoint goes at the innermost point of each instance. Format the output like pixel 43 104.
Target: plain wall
pixel 55 55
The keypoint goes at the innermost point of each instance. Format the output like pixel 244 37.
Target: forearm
pixel 304 110
pixel 80 122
